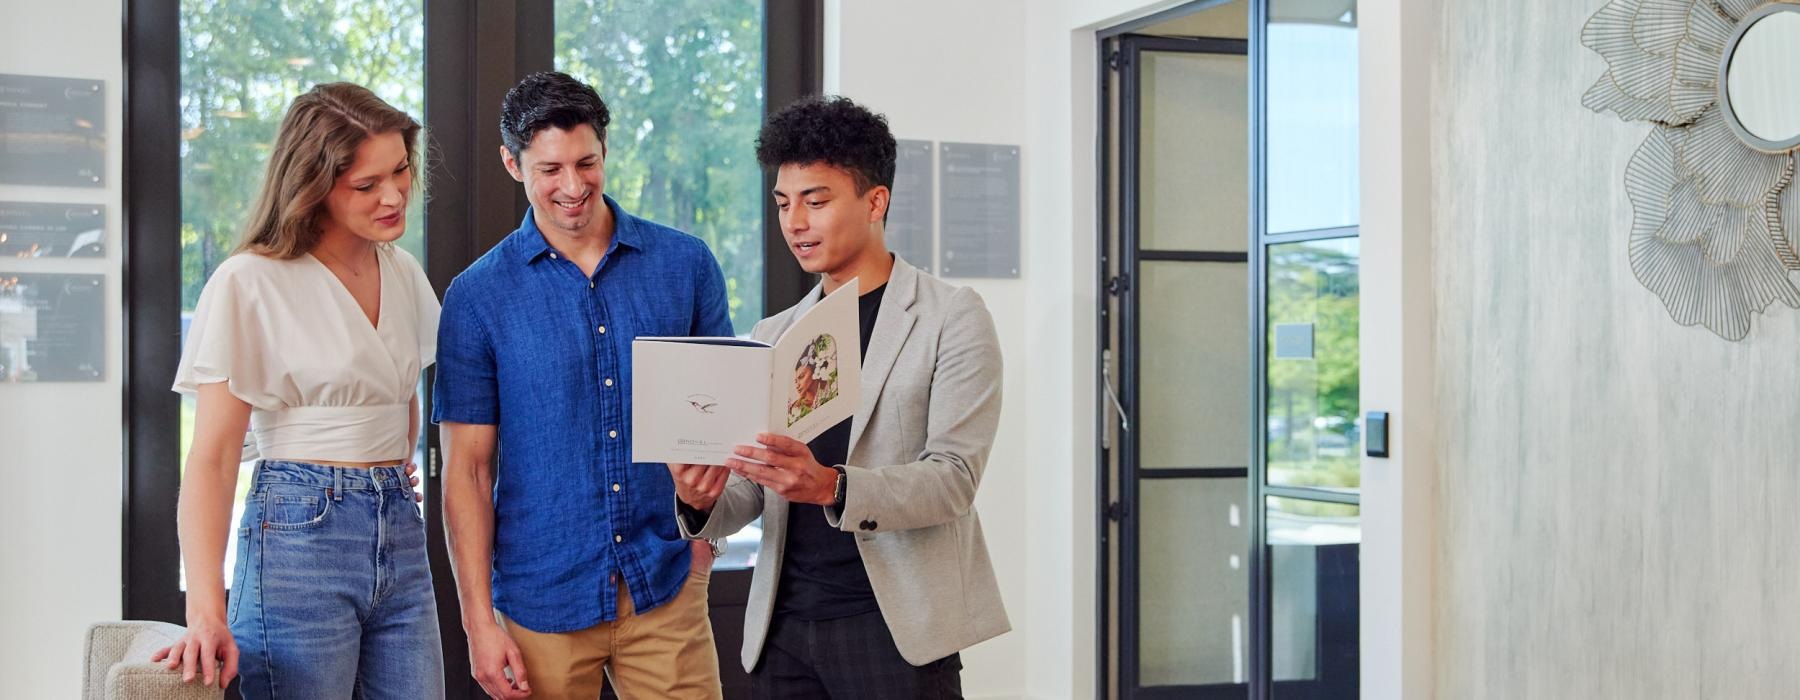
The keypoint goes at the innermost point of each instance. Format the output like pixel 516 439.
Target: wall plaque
pixel 43 230
pixel 978 187
pixel 52 131
pixel 911 223
pixel 52 327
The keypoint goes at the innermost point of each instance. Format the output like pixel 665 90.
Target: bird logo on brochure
pixel 703 403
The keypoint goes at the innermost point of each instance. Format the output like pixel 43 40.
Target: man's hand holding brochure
pixel 694 399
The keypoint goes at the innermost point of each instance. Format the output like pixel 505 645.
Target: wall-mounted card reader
pixel 1375 442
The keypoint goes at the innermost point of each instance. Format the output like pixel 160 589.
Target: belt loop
pixel 337 483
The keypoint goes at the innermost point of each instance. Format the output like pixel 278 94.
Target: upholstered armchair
pixel 119 666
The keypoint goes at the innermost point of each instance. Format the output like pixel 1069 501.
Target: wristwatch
pixel 718 546
pixel 837 492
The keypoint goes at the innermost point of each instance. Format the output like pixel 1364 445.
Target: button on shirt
pixel 531 345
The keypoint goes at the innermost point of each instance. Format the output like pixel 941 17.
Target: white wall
pixel 963 81
pixel 1021 72
pixel 60 444
pixel 1617 497
pixel 1398 347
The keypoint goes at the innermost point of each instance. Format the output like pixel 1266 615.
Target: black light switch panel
pixel 1375 434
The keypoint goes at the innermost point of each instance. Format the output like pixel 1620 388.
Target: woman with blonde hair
pixel 314 333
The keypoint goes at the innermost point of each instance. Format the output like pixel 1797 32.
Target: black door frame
pixel 475 50
pixel 1123 55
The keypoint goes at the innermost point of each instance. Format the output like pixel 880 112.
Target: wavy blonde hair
pixel 316 143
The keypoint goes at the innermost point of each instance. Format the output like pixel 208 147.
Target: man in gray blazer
pixel 873 574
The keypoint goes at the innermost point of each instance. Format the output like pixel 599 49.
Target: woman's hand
pixel 202 651
pixel 418 496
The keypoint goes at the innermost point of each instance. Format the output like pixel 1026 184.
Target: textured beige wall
pixel 1618 494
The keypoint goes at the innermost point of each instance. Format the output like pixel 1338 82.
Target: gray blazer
pixel 918 445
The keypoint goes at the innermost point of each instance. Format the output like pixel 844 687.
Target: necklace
pixel 340 261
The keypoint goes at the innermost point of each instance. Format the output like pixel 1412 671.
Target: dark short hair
pixel 549 99
pixel 834 131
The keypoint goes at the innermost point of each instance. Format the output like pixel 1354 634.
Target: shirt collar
pixel 528 242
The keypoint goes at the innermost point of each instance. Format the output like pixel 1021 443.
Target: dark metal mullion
pixel 1194 473
pixel 1203 45
pixel 1319 234
pixel 1261 648
pixel 1102 423
pixel 1312 494
pixel 1214 691
pixel 1199 256
pixel 1129 351
pixel 793 67
pixel 152 313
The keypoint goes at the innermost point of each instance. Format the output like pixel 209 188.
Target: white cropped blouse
pixel 322 382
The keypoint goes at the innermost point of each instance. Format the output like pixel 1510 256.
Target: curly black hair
pixel 834 131
pixel 549 99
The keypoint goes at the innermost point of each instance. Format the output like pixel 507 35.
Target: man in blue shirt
pixel 567 564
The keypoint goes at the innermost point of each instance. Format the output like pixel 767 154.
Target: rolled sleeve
pixel 467 389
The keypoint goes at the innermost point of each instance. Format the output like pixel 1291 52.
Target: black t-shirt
pixel 822 574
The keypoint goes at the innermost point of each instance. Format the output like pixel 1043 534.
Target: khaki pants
pixel 664 653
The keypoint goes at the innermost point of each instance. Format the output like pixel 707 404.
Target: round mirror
pixel 1759 78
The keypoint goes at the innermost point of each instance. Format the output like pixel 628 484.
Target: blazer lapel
pixel 892 325
pixel 805 304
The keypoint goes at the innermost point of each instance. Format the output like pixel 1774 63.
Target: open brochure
pixel 694 399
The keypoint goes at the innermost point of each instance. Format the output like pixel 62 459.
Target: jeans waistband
pixel 340 479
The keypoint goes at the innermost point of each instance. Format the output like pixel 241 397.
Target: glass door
pixel 1229 270
pixel 1310 432
pixel 1179 280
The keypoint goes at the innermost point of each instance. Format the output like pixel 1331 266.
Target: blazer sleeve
pixel 738 506
pixel 964 413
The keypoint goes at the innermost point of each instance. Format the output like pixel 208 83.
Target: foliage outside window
pixel 684 82
pixel 1313 429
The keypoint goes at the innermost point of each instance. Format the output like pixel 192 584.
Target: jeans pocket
pixel 294 507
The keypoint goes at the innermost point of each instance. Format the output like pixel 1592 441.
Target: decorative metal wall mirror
pixel 1715 211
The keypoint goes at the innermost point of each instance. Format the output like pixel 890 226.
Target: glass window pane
pixel 1192 587
pixel 1314 430
pixel 1312 559
pixel 684 83
pixel 1312 115
pixel 1194 405
pixel 242 63
pixel 1194 152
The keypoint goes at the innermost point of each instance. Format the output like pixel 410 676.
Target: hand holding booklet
pixel 694 399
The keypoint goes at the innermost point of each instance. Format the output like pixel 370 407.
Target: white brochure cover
pixel 694 399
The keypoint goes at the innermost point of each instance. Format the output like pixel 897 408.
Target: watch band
pixel 837 491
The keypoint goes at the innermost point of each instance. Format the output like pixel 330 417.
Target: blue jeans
pixel 333 595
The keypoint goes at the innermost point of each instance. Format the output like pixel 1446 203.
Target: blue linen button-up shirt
pixel 531 345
